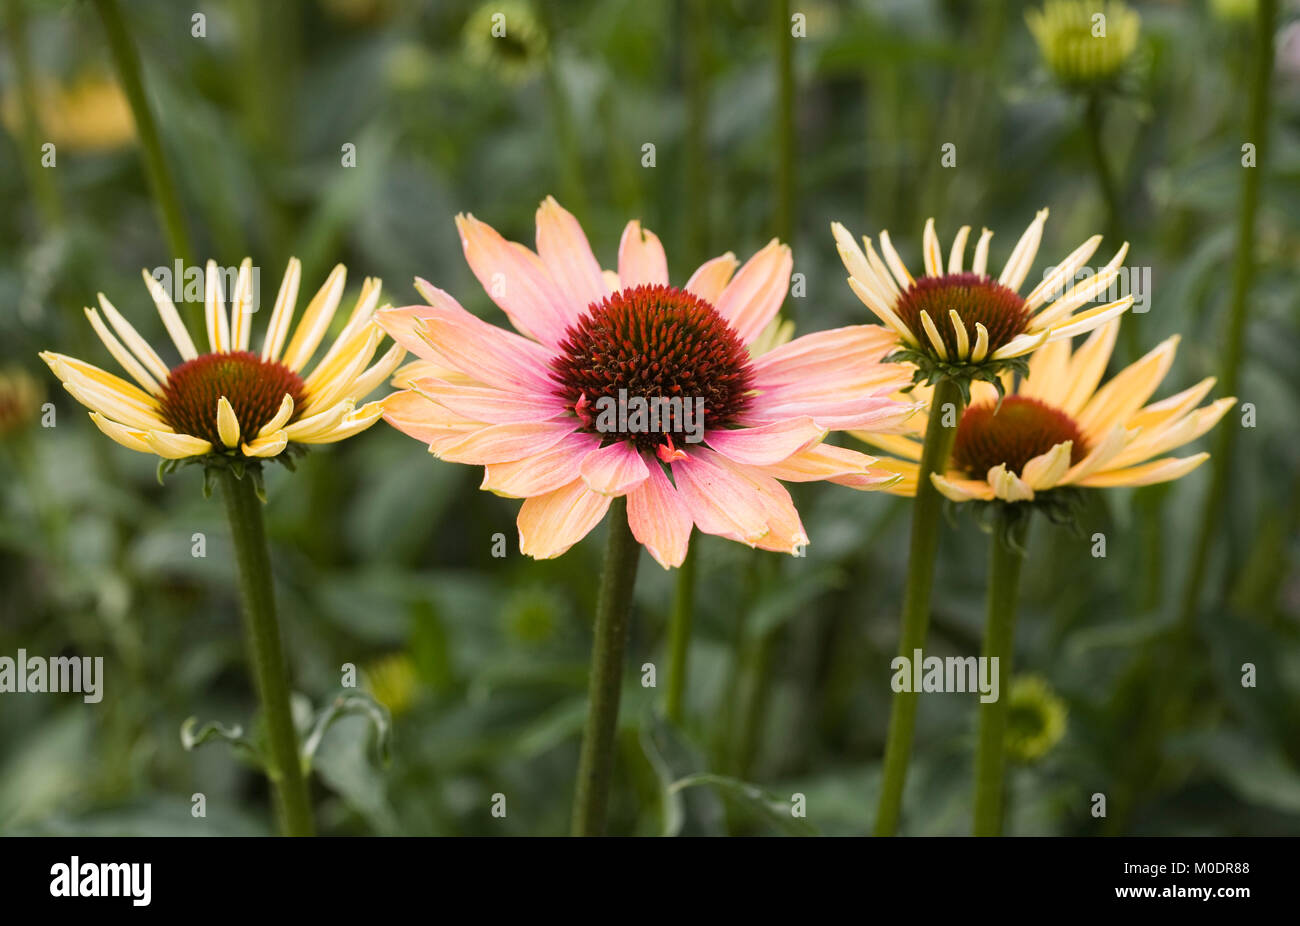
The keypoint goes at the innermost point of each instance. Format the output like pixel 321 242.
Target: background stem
pixel 161 182
pixel 999 643
pixel 679 637
pixel 916 598
pixel 248 531
pixel 605 686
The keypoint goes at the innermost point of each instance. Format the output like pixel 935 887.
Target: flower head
pixel 621 384
pixel 89 113
pixel 232 403
pixel 1036 719
pixel 1086 43
pixel 506 36
pixel 1059 427
pixel 964 324
pixel 20 400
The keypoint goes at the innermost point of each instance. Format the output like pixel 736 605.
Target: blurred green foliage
pixel 383 554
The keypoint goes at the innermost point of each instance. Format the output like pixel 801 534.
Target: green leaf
pixel 762 803
pixel 191 738
pixel 352 702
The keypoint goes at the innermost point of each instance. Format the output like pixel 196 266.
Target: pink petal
pixel 491 355
pixel 835 464
pixel 517 281
pixel 851 350
pixel 406 327
pixel 614 470
pixel 495 406
pixel 502 443
pixel 542 472
pixel 755 295
pixel 416 416
pixel 659 519
pixel 719 499
pixel 567 255
pixel 641 257
pixel 711 279
pixel 767 444
pixel 549 524
pixel 876 413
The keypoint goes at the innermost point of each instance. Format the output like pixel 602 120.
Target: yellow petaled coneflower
pixel 230 400
pixel 1086 44
pixel 1060 427
pixel 962 324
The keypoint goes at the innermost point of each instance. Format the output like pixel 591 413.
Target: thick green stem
pixel 161 182
pixel 263 632
pixel 679 638
pixel 945 411
pixel 596 760
pixel 999 648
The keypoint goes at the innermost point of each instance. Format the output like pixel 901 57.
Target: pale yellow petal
pixel 123 356
pixel 282 316
pixel 134 342
pixel 316 320
pixel 268 445
pixel 227 423
pixel 171 318
pixel 282 416
pixel 130 438
pixel 173 446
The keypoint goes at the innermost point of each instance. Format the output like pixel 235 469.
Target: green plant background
pixel 379 549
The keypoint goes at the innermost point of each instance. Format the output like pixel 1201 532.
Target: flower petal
pixel 641 258
pixel 541 472
pixel 712 277
pixel 549 524
pixel 757 291
pixel 565 251
pixel 614 470
pixel 659 518
pixel 766 444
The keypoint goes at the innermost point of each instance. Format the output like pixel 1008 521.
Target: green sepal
pixel 930 370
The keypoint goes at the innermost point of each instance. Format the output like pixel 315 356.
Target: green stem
pixel 248 531
pixel 161 181
pixel 916 597
pixel 1166 664
pixel 606 680
pixel 679 637
pixel 1093 128
pixel 999 644
pixel 47 193
pixel 1234 337
pixel 785 141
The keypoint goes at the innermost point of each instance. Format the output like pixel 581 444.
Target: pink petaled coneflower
pixel 620 384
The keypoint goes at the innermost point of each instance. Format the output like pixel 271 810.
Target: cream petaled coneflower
pixel 563 415
pixel 1058 428
pixel 964 324
pixel 230 400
